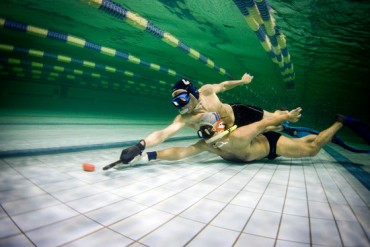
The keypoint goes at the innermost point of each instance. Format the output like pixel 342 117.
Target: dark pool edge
pixel 359 173
pixel 79 148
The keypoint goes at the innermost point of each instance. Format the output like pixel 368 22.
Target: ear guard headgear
pixel 187 86
pixel 210 123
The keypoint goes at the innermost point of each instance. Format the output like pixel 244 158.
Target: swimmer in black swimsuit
pixel 247 143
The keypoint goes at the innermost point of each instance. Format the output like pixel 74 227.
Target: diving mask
pixel 181 100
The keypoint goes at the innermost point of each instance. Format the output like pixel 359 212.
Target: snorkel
pixel 220 135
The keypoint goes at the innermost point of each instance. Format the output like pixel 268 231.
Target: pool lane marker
pixel 54 77
pixel 71 60
pixel 47 67
pixel 134 19
pixel 37 70
pixel 82 43
pixel 258 17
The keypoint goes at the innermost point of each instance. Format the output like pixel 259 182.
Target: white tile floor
pixel 48 200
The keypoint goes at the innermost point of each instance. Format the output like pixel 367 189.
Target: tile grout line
pixel 349 205
pixel 78 213
pixel 254 209
pixel 21 231
pixel 308 206
pixel 178 215
pixel 330 206
pixel 282 210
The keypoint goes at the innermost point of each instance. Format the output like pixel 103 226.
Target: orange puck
pixel 88 167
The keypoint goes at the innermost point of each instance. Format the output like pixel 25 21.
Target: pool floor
pixel 48 200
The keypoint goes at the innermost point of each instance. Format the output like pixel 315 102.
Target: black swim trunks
pixel 272 138
pixel 246 114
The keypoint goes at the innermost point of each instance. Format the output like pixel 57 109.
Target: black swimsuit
pixel 272 138
pixel 246 114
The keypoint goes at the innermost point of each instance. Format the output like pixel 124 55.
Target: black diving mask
pixel 181 100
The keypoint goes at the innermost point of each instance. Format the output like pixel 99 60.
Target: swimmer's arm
pixel 227 85
pixel 160 136
pixel 178 153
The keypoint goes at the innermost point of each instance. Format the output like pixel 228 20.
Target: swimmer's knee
pixel 313 151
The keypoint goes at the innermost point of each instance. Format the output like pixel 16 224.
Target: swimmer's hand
pixel 140 159
pixel 294 115
pixel 130 153
pixel 247 78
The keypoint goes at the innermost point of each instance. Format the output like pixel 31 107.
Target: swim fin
pixel 360 128
pixel 298 131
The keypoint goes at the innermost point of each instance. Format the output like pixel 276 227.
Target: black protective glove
pixel 130 153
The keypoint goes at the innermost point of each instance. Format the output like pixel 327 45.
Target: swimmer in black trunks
pixel 192 104
pixel 247 143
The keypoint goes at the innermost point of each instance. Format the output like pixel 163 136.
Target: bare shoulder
pixel 207 89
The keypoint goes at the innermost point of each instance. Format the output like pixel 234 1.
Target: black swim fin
pixel 360 128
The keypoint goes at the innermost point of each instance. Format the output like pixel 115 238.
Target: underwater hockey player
pixel 192 104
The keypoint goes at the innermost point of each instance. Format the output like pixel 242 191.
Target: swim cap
pixel 209 118
pixel 187 86
pixel 210 123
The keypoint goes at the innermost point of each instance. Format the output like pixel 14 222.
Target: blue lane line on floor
pixel 361 175
pixel 58 150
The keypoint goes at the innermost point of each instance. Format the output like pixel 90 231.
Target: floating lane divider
pixel 82 43
pixel 51 77
pixel 258 18
pixel 47 67
pixel 120 12
pixel 26 73
pixel 29 70
pixel 36 70
pixel 71 60
pixel 23 72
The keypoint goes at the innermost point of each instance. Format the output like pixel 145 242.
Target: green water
pixel 328 42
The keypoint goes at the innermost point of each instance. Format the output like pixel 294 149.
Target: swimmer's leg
pixel 299 132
